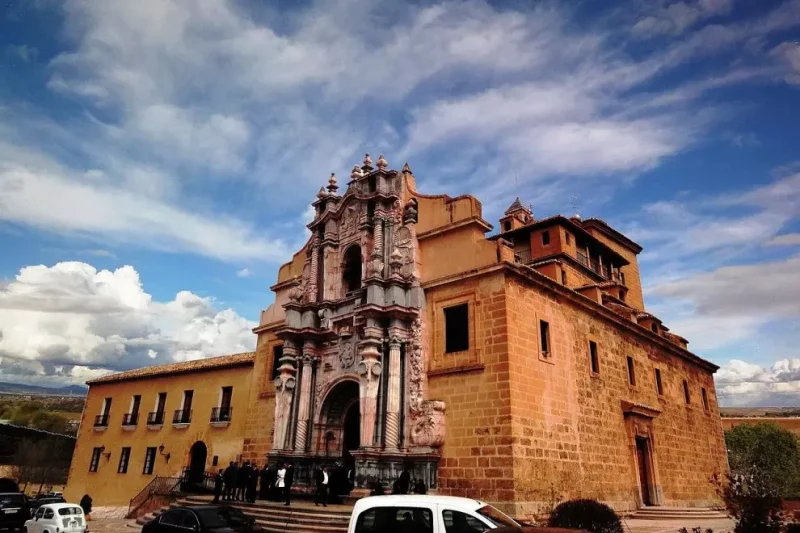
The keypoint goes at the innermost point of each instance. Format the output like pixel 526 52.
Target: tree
pixel 40 462
pixel 768 452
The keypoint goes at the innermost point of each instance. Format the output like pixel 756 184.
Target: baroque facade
pixel 520 368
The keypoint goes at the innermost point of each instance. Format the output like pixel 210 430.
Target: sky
pixel 158 159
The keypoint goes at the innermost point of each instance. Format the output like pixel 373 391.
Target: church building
pixel 521 368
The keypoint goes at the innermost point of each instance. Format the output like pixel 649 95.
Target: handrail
pixel 159 486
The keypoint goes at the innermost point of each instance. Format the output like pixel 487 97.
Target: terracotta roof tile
pixel 199 365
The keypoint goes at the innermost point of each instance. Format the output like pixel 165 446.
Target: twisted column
pixel 313 274
pixel 377 248
pixel 369 369
pixel 393 391
pixel 304 399
pixel 284 385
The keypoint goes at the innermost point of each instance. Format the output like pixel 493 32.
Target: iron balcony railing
pixel 582 259
pixel 101 421
pixel 182 416
pixel 522 256
pixel 221 414
pixel 155 418
pixel 130 419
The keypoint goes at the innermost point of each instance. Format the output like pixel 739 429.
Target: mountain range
pixel 17 388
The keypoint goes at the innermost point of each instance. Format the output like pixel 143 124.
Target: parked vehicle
pixel 201 519
pixel 426 514
pixel 57 518
pixel 13 511
pixel 37 502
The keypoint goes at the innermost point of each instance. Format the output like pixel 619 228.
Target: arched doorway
pixel 351 271
pixel 351 439
pixel 339 420
pixel 197 462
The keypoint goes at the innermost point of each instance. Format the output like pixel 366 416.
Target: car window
pixel 39 512
pixel 67 511
pixel 221 517
pixel 395 520
pixel 11 501
pixel 189 520
pixel 48 513
pixel 172 518
pixel 496 517
pixel 458 522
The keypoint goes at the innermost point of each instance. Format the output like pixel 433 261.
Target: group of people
pixel 247 482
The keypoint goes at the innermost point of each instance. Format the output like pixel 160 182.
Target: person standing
pixel 218 480
pixel 288 480
pixel 263 492
pixel 402 482
pixel 280 481
pixel 322 486
pixel 252 485
pixel 230 476
pixel 242 477
pixel 86 505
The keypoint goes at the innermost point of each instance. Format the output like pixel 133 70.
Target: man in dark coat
pixel 288 480
pixel 263 492
pixel 402 483
pixel 323 482
pixel 252 485
pixel 218 480
pixel 242 477
pixel 230 476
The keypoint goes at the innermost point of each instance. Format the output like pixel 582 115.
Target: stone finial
pixel 332 186
pixel 367 160
pixel 407 169
pixel 382 162
pixel 396 259
pixel 356 173
pixel 322 193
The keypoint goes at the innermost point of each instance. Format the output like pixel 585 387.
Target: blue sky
pixel 158 157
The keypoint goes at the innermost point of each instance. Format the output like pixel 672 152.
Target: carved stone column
pixel 369 369
pixel 284 386
pixel 314 271
pixel 393 396
pixel 304 402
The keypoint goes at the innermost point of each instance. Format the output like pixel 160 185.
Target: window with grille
pixel 124 457
pixel 149 461
pixel 95 462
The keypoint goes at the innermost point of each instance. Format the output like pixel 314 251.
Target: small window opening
pixel 507 225
pixel 546 237
pixel 544 334
pixel 593 360
pixel 659 386
pixel 686 396
pixel 352 268
pixel 631 372
pixel 654 327
pixel 373 183
pixel 569 238
pixel 704 396
pixel 277 353
pixel 563 277
pixel 456 328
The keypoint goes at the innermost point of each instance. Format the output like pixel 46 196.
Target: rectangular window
pixel 149 461
pixel 277 353
pixel 686 392
pixel 188 396
pixel 544 335
pixel 93 464
pixel 563 277
pixel 106 407
pixel 659 387
pixel 545 237
pixel 593 360
pixel 225 398
pixel 631 372
pixel 569 238
pixel 704 396
pixel 124 457
pixel 137 400
pixel 456 328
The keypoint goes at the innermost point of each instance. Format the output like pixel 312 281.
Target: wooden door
pixel 643 462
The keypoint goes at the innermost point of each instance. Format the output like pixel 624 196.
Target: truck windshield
pixel 496 517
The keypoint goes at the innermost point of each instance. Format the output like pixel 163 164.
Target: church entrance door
pixel 197 462
pixel 643 463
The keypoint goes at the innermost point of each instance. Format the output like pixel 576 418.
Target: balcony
pixel 522 256
pixel 221 416
pixel 130 420
pixel 101 422
pixel 155 420
pixel 182 417
pixel 582 259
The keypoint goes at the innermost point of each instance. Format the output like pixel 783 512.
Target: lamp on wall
pixel 164 455
pixel 105 453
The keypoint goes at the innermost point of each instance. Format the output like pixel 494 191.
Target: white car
pixel 425 514
pixel 57 518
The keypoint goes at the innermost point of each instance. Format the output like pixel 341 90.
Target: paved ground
pixel 108 525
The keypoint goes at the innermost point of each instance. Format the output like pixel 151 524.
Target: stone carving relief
pixel 325 318
pixel 427 416
pixel 404 244
pixel 347 353
pixel 349 221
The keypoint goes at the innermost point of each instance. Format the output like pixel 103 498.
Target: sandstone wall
pixel 258 432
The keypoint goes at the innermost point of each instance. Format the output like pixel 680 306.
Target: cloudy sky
pixel 157 158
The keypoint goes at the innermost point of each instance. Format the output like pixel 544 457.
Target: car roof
pixel 200 507
pixel 57 506
pixel 455 502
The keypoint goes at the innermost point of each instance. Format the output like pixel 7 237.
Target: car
pixel 40 500
pixel 13 511
pixel 426 514
pixel 203 518
pixel 57 518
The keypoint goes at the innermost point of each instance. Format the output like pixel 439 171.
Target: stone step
pixel 680 513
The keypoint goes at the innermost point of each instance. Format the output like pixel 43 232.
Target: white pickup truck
pixel 428 514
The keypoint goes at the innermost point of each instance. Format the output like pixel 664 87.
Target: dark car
pixel 216 518
pixel 42 500
pixel 13 511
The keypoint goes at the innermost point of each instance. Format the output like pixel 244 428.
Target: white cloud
pixel 243 273
pixel 23 52
pixel 677 17
pixel 789 53
pixel 742 383
pixel 788 239
pixel 70 322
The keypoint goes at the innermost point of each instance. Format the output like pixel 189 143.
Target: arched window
pixel 351 278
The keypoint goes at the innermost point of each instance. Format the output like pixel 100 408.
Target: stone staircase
pixel 680 513
pixel 302 516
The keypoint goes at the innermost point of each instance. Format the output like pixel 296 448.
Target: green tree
pixel 768 452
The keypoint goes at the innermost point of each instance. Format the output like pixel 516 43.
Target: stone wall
pixel 261 412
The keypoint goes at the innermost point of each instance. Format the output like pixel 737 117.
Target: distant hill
pixel 759 412
pixel 16 388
